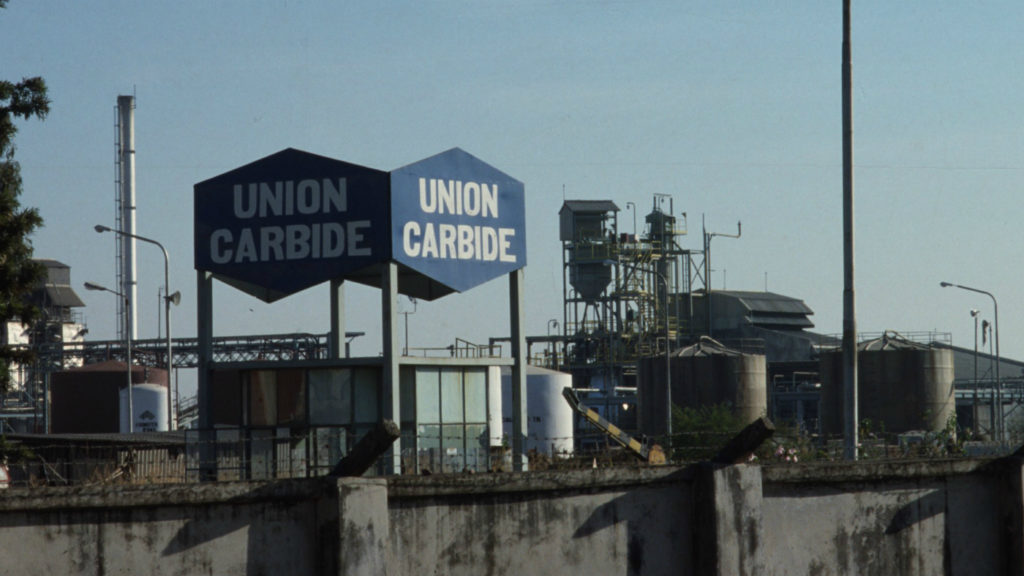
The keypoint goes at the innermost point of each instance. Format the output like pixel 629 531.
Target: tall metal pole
pixel 974 314
pixel 850 431
pixel 168 298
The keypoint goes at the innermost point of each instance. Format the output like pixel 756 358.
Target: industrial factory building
pixel 641 329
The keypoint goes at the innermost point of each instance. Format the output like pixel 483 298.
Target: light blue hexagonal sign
pixel 457 220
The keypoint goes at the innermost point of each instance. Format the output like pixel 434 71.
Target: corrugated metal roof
pixel 777 320
pixel 590 206
pixel 61 295
pixel 769 302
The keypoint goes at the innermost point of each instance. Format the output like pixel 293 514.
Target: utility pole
pixel 850 431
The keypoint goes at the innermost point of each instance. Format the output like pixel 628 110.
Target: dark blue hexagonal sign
pixel 290 221
pixel 457 220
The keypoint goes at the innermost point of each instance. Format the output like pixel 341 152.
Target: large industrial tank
pixel 549 416
pixel 901 386
pixel 704 374
pixel 149 408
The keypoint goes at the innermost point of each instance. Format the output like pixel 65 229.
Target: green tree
pixel 19 273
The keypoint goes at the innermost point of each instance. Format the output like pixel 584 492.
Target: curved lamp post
pixel 999 384
pixel 127 347
pixel 168 300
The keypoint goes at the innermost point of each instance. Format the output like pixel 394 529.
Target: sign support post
pixel 519 422
pixel 391 396
pixel 337 339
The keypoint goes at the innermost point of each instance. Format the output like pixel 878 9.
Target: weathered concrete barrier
pixel 946 517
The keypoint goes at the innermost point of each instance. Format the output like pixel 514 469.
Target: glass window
pixel 477 452
pixel 428 408
pixel 367 396
pixel 330 397
pixel 476 395
pixel 451 396
pixel 453 444
pixel 407 393
pixel 428 443
pixel 262 398
pixel 291 397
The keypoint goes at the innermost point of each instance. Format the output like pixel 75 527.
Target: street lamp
pixel 127 346
pixel 551 345
pixel 168 300
pixel 974 314
pixel 406 314
pixel 999 384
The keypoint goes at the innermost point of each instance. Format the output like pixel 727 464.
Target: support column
pixel 204 335
pixel 390 397
pixel 354 529
pixel 337 339
pixel 727 506
pixel 1012 505
pixel 518 381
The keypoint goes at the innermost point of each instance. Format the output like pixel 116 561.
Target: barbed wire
pixel 237 454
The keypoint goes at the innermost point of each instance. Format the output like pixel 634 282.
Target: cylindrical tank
pixel 494 415
pixel 901 386
pixel 549 416
pixel 149 408
pixel 704 374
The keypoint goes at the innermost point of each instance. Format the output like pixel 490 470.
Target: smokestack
pixel 126 209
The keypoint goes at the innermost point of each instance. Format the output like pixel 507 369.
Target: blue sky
pixel 733 108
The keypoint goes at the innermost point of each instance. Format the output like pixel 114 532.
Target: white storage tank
pixel 149 407
pixel 549 416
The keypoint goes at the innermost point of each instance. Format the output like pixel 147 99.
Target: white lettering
pixel 293 242
pixel 271 243
pixel 429 241
pixel 411 229
pixel 428 202
pixel 286 198
pixel 505 242
pixel 356 237
pixel 246 211
pixel 246 247
pixel 298 242
pixel 458 198
pixel 334 240
pixel 458 242
pixel 218 253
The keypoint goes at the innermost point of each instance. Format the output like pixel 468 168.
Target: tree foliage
pixel 19 274
pixel 699 433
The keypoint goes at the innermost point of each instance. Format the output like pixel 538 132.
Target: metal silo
pixel 902 386
pixel 704 374
pixel 550 426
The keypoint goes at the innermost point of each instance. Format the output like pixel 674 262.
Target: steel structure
pixel 626 296
pixel 52 357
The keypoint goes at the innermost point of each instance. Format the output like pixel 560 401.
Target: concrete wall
pixel 946 517
pixel 949 517
pixel 589 522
